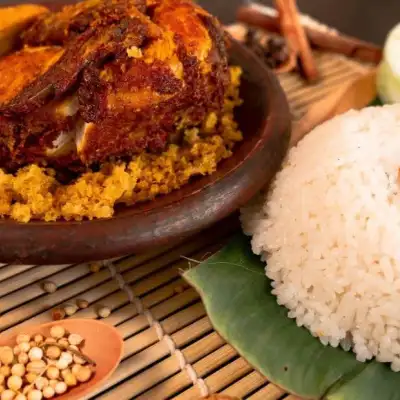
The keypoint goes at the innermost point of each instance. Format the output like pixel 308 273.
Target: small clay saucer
pixel 103 345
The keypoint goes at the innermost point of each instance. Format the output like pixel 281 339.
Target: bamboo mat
pixel 171 350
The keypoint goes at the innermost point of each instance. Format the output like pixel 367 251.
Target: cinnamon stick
pixel 296 38
pixel 341 44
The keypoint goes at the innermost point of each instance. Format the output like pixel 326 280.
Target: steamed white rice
pixel 330 231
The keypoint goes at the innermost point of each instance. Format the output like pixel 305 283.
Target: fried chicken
pixel 13 20
pixel 24 137
pixel 119 25
pixel 128 77
pixel 58 28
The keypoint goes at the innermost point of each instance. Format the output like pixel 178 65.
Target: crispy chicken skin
pixel 119 25
pixel 21 68
pixel 58 28
pixel 130 74
pixel 13 20
pixel 25 136
pixel 181 75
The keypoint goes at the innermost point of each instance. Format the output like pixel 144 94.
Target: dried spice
pixel 47 369
pixel 273 52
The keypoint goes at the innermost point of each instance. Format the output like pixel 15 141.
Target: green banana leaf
pixel 237 296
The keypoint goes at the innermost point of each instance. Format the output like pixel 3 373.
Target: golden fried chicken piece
pixel 57 28
pixel 118 26
pixel 25 137
pixel 142 74
pixel 19 69
pixel 13 20
pixel 72 20
pixel 140 100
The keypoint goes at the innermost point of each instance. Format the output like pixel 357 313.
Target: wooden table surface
pixel 367 19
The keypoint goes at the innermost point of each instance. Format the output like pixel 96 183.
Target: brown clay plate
pixel 264 119
pixel 103 345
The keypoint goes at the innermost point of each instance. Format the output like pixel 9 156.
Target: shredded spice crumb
pixel 34 193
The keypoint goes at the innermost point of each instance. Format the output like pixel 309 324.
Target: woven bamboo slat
pixel 171 349
pixel 269 392
pixel 249 384
pixel 6 272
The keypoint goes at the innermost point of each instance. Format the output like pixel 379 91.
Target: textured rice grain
pixel 329 230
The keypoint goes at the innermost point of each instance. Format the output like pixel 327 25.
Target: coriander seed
pixel 16 350
pixel 35 395
pixel 53 352
pixel 38 339
pixel 41 382
pixel 48 392
pixel 84 374
pixel 24 347
pixel 61 387
pixel 57 314
pixel 14 383
pixel 75 369
pixel 53 372
pixel 67 356
pixel 57 332
pixel 95 267
pixel 70 309
pixel 5 370
pixel 70 379
pixel 18 370
pixel 7 395
pixel 104 312
pixel 49 286
pixel 62 364
pixel 63 342
pixel 75 339
pixel 31 377
pixel 35 353
pixel 65 372
pixel 6 355
pixel 81 303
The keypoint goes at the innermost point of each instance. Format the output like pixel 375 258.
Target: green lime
pixel 388 77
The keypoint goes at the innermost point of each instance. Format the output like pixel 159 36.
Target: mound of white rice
pixel 330 231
